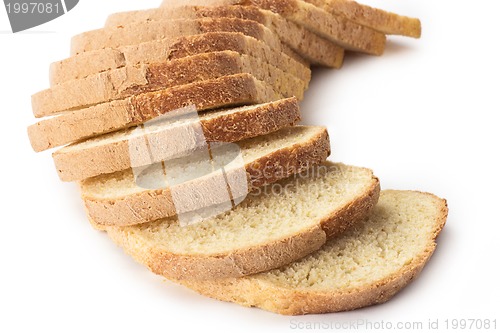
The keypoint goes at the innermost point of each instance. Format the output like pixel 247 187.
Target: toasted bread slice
pixel 285 222
pixel 315 49
pixel 128 81
pixel 118 200
pixel 234 90
pixel 173 138
pixel 366 265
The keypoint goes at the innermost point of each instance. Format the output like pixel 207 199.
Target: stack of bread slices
pixel 181 126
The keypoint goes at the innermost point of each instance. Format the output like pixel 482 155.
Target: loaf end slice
pixel 366 265
pixel 283 223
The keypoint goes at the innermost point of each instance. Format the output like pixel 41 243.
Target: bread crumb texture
pixel 366 265
pixel 283 209
pixel 398 231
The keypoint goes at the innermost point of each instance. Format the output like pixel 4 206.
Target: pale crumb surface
pixel 123 183
pixel 300 205
pixel 400 228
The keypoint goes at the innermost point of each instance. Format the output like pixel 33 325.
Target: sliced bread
pixel 118 200
pixel 376 19
pixel 283 223
pixel 129 81
pixel 82 65
pixel 154 30
pixel 366 265
pixel 173 138
pixel 158 51
pixel 315 49
pixel 234 90
pixel 336 28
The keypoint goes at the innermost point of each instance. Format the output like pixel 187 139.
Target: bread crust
pixel 254 291
pixel 128 81
pixel 75 68
pixel 335 28
pixel 73 163
pixel 313 48
pixel 151 205
pixel 77 125
pixel 374 18
pixel 158 51
pixel 249 260
pixel 154 30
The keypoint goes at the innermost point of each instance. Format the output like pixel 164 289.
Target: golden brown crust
pixel 253 291
pixel 376 19
pixel 245 261
pixel 154 30
pixel 338 29
pixel 159 51
pixel 205 95
pixel 185 12
pixel 69 127
pixel 129 81
pixel 313 48
pixel 74 163
pixel 151 205
pixel 237 263
pixel 238 42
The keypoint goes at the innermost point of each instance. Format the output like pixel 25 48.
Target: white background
pixel 424 116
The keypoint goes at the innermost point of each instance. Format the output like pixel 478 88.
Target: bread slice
pixel 234 90
pixel 285 222
pixel 366 265
pixel 154 30
pixel 128 81
pixel 338 29
pixel 118 200
pixel 172 138
pixel 315 49
pixel 85 64
pixel 376 19
pixel 349 35
pixel 159 51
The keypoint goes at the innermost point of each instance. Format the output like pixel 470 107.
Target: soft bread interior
pixel 400 231
pixel 123 183
pixel 281 210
